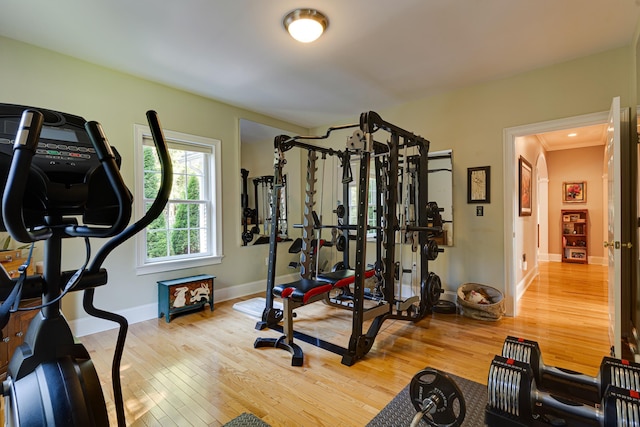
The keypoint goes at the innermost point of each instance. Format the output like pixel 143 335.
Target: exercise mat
pixel 400 411
pixel 246 420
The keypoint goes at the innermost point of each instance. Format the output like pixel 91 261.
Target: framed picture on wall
pixel 478 184
pixel 524 187
pixel 574 192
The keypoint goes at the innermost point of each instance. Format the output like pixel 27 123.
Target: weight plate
pixel 430 385
pixel 434 289
pixel 445 307
pixel 247 236
pixel 431 250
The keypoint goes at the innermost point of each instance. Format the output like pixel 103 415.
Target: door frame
pixel 510 162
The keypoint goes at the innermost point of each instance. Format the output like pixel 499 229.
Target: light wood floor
pixel 202 370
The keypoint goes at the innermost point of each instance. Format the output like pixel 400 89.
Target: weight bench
pixel 299 293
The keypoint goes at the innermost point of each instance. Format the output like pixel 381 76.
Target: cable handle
pixel 24 149
pixel 107 159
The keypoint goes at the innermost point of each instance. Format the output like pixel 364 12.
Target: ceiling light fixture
pixel 305 25
pixel 572 134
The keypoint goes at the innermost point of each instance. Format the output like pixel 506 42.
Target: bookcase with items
pixel 575 235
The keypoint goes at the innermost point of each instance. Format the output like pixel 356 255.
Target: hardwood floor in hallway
pixel 202 370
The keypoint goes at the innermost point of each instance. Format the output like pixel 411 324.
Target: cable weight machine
pixel 60 169
pixel 361 148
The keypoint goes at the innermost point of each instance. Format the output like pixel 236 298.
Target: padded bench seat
pixel 302 290
pixel 335 276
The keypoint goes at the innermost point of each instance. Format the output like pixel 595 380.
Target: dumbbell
pixel 620 373
pixel 437 399
pixel 513 399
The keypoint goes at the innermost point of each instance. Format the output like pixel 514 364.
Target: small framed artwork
pixel 479 184
pixel 524 186
pixel 574 192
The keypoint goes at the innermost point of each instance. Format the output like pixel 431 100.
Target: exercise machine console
pixel 60 179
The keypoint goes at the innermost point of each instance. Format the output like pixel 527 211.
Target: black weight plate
pixel 434 289
pixel 445 307
pixel 450 408
pixel 247 236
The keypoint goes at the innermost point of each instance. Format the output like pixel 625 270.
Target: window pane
pixel 160 223
pixel 194 188
pixel 178 159
pixel 195 164
pixel 194 241
pixel 157 244
pixel 193 212
pixel 179 188
pixel 179 242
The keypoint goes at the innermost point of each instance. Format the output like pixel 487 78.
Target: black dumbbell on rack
pixel 514 400
pixel 586 389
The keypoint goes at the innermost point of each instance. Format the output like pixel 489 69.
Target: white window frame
pixel 214 221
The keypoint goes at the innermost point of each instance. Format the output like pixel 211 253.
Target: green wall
pixel 469 120
pixel 37 77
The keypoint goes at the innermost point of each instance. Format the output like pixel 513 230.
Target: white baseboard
pixel 525 282
pixel 555 257
pixel 90 325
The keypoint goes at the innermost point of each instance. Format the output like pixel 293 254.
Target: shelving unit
pixel 575 235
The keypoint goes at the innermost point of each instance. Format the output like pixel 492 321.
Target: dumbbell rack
pixel 522 391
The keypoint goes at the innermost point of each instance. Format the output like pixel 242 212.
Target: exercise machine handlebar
pixel 158 204
pixel 106 157
pixel 23 151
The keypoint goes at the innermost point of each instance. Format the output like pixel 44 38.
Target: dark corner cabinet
pixel 575 235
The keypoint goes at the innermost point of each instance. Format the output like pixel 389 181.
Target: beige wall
pixel 469 120
pixel 583 164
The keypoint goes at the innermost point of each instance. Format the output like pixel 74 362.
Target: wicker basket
pixel 492 312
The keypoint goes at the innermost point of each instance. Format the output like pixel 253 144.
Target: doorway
pixel 520 228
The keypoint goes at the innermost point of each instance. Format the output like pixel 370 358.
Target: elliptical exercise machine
pixel 61 169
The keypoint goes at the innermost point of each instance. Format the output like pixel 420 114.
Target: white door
pixel 614 227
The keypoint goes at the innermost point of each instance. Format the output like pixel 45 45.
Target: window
pixel 188 233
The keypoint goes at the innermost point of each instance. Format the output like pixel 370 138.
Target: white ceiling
pixel 569 139
pixel 375 54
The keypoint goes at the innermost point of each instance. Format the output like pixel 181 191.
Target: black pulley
pixel 341 243
pixel 340 211
pixel 338 266
pixel 437 398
